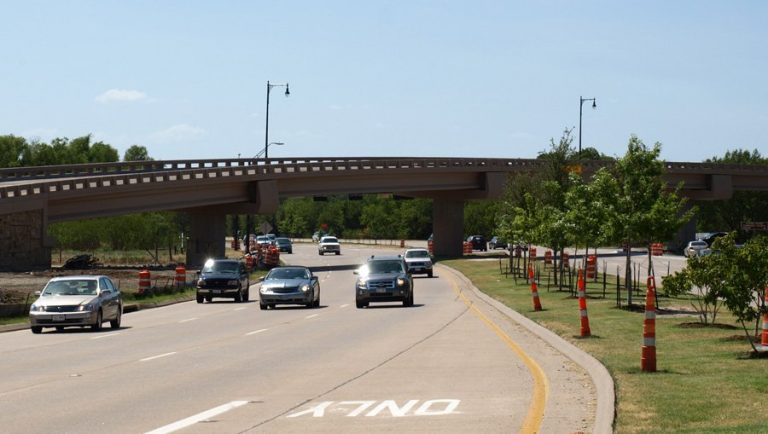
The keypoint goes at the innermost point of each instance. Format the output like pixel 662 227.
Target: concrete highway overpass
pixel 209 190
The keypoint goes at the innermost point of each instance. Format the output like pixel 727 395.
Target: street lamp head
pixel 287 91
pixel 594 103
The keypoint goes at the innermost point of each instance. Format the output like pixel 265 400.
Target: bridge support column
pixel 207 238
pixel 448 227
pixel 24 244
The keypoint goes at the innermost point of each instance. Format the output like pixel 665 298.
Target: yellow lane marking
pixel 535 416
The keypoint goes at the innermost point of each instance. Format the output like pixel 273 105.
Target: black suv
pixel 223 278
pixel 383 278
pixel 478 242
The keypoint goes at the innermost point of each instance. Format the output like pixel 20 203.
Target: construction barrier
pixel 591 266
pixel 181 277
pixel 145 282
pixel 235 244
pixel 765 324
pixel 249 262
pixel 585 332
pixel 272 257
pixel 548 257
pixel 402 244
pixel 532 253
pixel 648 359
pixel 566 260
pixel 467 248
pixel 657 249
pixel 534 289
pixel 431 247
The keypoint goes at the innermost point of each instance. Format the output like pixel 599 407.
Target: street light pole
pixel 581 104
pixel 266 128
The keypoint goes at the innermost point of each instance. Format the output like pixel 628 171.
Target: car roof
pixel 385 258
pixel 79 277
pixel 417 250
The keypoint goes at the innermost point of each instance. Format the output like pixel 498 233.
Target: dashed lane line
pixel 159 356
pixel 256 332
pixel 183 423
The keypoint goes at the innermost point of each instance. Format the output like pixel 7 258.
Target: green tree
pixel 11 150
pixel 639 208
pixel 136 153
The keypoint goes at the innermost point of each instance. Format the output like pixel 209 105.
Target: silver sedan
pixel 289 285
pixel 83 301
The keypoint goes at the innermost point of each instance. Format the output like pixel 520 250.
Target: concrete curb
pixel 605 410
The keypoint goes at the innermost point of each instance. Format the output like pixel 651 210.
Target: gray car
pixel 82 301
pixel 289 285
pixel 383 278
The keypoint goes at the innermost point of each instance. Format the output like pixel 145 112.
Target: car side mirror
pixel 260 279
pixel 37 293
pixel 355 272
pixel 105 292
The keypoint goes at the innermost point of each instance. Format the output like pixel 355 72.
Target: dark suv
pixel 478 242
pixel 383 278
pixel 223 278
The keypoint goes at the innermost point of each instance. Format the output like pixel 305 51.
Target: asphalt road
pixel 452 363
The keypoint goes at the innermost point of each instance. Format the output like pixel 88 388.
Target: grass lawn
pixel 705 381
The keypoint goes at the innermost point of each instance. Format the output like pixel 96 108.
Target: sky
pixel 412 78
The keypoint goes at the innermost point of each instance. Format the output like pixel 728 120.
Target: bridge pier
pixel 24 243
pixel 207 238
pixel 448 227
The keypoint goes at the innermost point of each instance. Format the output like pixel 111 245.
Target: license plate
pixel 381 290
pixel 217 291
pixel 58 317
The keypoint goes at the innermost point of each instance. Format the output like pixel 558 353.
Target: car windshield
pixel 377 267
pixel 417 254
pixel 698 244
pixel 283 241
pixel 329 240
pixel 221 267
pixel 287 273
pixel 71 287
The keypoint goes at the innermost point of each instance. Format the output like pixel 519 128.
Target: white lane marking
pixel 198 418
pixel 311 316
pixel 158 356
pixel 239 308
pixel 256 332
pixel 343 306
pixel 187 320
pixel 105 336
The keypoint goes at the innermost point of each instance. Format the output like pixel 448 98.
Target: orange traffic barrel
pixel 145 281
pixel 181 276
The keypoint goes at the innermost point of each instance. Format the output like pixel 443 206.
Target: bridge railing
pixel 32 181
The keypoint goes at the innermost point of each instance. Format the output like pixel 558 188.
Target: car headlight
pixel 86 307
pixel 263 290
pixel 201 282
pixel 36 308
pixel 233 282
pixel 401 281
pixel 362 284
pixel 305 287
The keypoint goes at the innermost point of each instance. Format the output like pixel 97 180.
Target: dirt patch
pixel 700 325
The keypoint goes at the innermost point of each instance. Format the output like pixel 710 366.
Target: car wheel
pixel 360 304
pixel 239 295
pixel 338 253
pixel 59 328
pixel 200 298
pixel 320 253
pixel 115 323
pixel 36 330
pixel 97 325
pixel 209 298
pixel 429 273
pixel 263 306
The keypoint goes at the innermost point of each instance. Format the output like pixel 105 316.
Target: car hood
pixel 64 300
pixel 383 276
pixel 220 275
pixel 284 283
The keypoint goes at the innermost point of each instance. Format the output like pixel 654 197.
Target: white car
pixel 329 245
pixel 418 261
pixel 696 248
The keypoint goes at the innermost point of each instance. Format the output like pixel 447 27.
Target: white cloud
pixel 178 133
pixel 120 95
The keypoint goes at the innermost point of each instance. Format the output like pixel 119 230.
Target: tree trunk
pixel 628 274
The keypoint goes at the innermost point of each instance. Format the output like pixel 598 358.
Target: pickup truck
pixel 329 245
